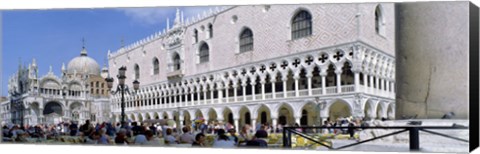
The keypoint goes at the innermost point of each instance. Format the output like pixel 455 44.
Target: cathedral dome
pixel 83 64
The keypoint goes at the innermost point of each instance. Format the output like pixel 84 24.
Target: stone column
pixel 274 124
pixel 323 74
pixel 371 87
pixel 220 93
pixel 199 92
pixel 388 87
pixel 357 81
pixel 262 81
pixel 235 86
pixel 297 120
pixel 185 96
pixel 338 72
pixel 296 77
pixel 227 87
pixel 382 86
pixel 273 80
pixel 175 100
pixel 284 79
pixel 204 94
pixel 365 82
pixel 309 82
pixel 377 83
pixel 244 91
pixel 192 95
pixel 252 82
pixel 237 126
pixel 180 123
pixel 254 122
pixel 212 90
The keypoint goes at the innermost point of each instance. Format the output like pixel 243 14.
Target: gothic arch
pixel 339 108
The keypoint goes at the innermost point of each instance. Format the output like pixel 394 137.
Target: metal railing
pixel 414 135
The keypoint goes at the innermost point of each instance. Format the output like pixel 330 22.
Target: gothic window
pixel 176 62
pixel 195 35
pixel 210 30
pixel 347 74
pixel 331 76
pixel 379 21
pixel 156 68
pixel 304 119
pixel 204 53
pixel 246 40
pixel 137 72
pixel 301 25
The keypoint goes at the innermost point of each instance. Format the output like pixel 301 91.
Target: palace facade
pixel 277 64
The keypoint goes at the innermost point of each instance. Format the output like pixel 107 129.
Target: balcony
pixel 175 74
pixel 291 94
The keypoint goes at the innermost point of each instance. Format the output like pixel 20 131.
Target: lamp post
pixel 122 88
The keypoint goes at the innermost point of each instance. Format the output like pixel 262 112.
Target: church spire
pixel 177 20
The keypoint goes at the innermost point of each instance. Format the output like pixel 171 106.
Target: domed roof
pixel 83 64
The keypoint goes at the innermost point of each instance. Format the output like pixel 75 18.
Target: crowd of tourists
pixel 134 133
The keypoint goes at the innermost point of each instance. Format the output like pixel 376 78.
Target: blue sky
pixel 54 37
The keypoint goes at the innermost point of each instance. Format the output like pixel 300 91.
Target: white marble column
pixel 274 124
pixel 254 122
pixel 244 91
pixel 371 87
pixel 356 81
pixel 296 77
pixel 338 72
pixel 297 120
pixel 309 82
pixel 227 87
pixel 263 88
pixel 205 95
pixel 323 74
pixel 273 80
pixel 212 90
pixel 235 86
pixel 284 84
pixel 237 126
pixel 199 93
pixel 192 95
pixel 253 89
pixel 220 93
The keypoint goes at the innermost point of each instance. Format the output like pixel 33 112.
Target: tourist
pixel 233 136
pixel 104 138
pixel 87 128
pixel 121 138
pixel 258 126
pixel 260 140
pixel 351 130
pixel 153 128
pixel 137 129
pixel 186 137
pixel 140 139
pixel 117 127
pixel 199 140
pixel 151 138
pixel 94 139
pixel 222 140
pixel 110 130
pixel 169 138
pixel 245 134
pixel 73 128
